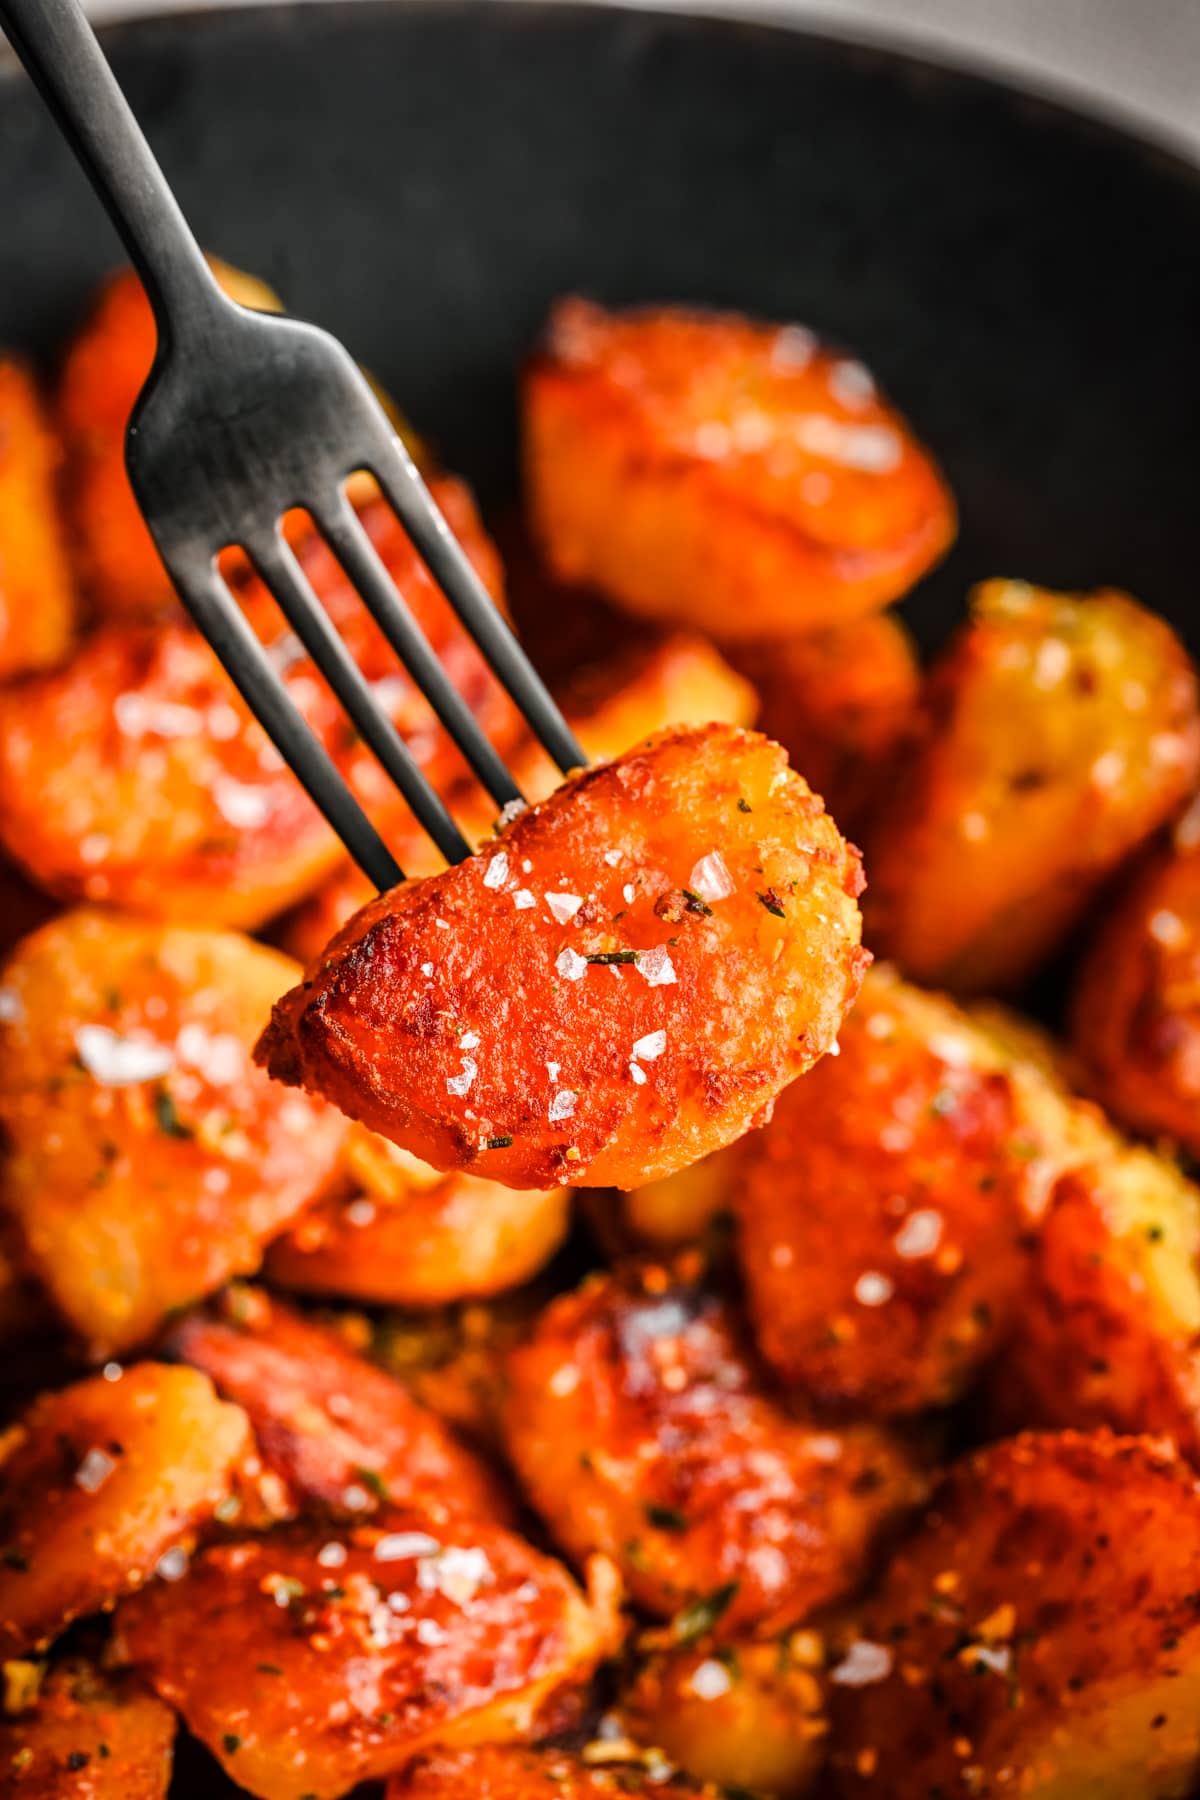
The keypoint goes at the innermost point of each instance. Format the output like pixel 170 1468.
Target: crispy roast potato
pixel 1135 1023
pixel 621 985
pixel 702 468
pixel 137 775
pixel 98 1482
pixel 840 702
pixel 147 1160
pixel 341 1433
pixel 511 1772
pixel 1059 732
pixel 37 595
pixel 749 1716
pixel 1039 1635
pixel 308 1663
pixel 401 1234
pixel 639 1428
pixel 694 1206
pixel 88 1736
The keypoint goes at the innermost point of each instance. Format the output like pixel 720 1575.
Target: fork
pixel 245 417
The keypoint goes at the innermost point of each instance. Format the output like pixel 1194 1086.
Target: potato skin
pixel 137 776
pixel 1031 778
pixel 639 1429
pixel 305 1676
pixel 1135 1014
pixel 511 1772
pixel 91 1736
pixel 1040 1633
pixel 132 1196
pixel 749 992
pixel 96 1482
pixel 341 1433
pixel 703 468
pixel 401 1234
pixel 37 594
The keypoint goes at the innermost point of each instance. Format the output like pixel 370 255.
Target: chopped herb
pixel 699 1616
pixel 13 1558
pixel 103 1752
pixel 499 1143
pixel 585 1461
pixel 268 1668
pixel 613 956
pixel 771 901
pixel 666 1518
pixel 743 804
pixel 1155 1233
pixel 374 1482
pixel 384 1718
pixel 231 1743
pixel 78 1759
pixel 696 904
pixel 167 1118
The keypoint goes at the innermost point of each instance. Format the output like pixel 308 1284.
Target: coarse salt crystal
pixel 650 1046
pixel 172 1565
pixel 94 1471
pixel 1108 769
pixel 360 1213
pixel 427 969
pixel 710 878
pixel 851 384
pixel 638 1073
pixel 873 1289
pixel 863 1664
pixel 397 1546
pixel 656 966
pixel 794 347
pixel 920 1234
pixel 612 858
pixel 112 1371
pixel 117 1061
pixel 461 1084
pixel 710 1679
pixel 11 1009
pixel 564 1380
pixel 458 1571
pixel 496 873
pixel 562 1106
pixel 564 906
pixel 523 899
pixel 332 1555
pixel 469 1040
pixel 430 1633
pixel 570 965
pixel 628 893
pixel 552 1069
pixel 1167 928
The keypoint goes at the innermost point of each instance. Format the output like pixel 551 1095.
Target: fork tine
pixel 368 573
pixel 275 561
pixel 217 613
pixel 397 475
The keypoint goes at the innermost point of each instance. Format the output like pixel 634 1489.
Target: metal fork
pixel 246 416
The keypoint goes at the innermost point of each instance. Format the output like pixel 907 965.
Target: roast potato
pixel 37 594
pixel 147 1159
pixel 1059 732
pixel 308 1662
pixel 98 1482
pixel 692 1207
pixel 88 1736
pixel 703 468
pixel 471 1017
pixel 512 1772
pixel 341 1433
pixel 639 1428
pixel 1039 1635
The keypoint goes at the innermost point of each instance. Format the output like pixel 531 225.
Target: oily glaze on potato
pixel 340 1432
pixel 1038 1635
pixel 308 1661
pixel 1058 733
pixel 37 596
pixel 568 1005
pixel 97 1482
pixel 147 1160
pixel 1135 1023
pixel 701 467
pixel 401 1234
pixel 137 775
pixel 639 1428
pixel 87 1736
pixel 512 1772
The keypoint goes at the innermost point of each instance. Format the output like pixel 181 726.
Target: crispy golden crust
pixel 37 596
pixel 342 1433
pixel 1058 733
pixel 452 1013
pixel 638 1427
pixel 705 469
pixel 1039 1635
pixel 97 1482
pixel 509 1772
pixel 137 775
pixel 306 1669
pixel 90 1736
pixel 148 1159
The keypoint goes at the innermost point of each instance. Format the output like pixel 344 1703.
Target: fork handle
pixel 59 49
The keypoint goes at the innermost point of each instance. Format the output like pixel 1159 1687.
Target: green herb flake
pixel 167 1118
pixel 771 901
pixel 268 1668
pixel 498 1143
pixel 78 1759
pixel 613 956
pixel 743 804
pixel 231 1743
pixel 13 1558
pixel 373 1481
pixel 666 1518
pixel 696 904
pixel 698 1617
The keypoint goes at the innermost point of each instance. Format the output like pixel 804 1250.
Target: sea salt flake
pixel 612 858
pixel 458 1571
pixel 920 1234
pixel 710 878
pixel 117 1061
pixel 461 1084
pixel 12 1010
pixel 430 1633
pixel 1165 927
pixel 564 906
pixel 863 1664
pixel 651 1046
pixel 710 1679
pixel 94 1471
pixel 873 1289
pixel 794 347
pixel 656 966
pixel 638 1073
pixel 496 873
pixel 570 965
pixel 427 969
pixel 552 1069
pixel 398 1546
pixel 523 899
pixel 562 1106
pixel 172 1565
pixel 332 1555
pixel 851 384
pixel 629 893
pixel 469 1040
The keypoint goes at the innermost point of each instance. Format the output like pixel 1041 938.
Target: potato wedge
pixel 1059 732
pixel 1039 1634
pixel 90 1736
pixel 510 1772
pixel 401 1234
pixel 307 1663
pixel 702 468
pixel 37 595
pixel 147 1159
pixel 341 1433
pixel 639 1428
pixel 97 1482
pixel 471 1017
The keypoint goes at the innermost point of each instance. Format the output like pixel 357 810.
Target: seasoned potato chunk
pixel 623 983
pixel 638 1427
pixel 148 1159
pixel 308 1663
pixel 340 1432
pixel 748 1716
pixel 1059 732
pixel 1039 1635
pixel 704 468
pixel 510 1772
pixel 37 596
pixel 137 776
pixel 401 1234
pixel 90 1736
pixel 1136 1010
pixel 97 1482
